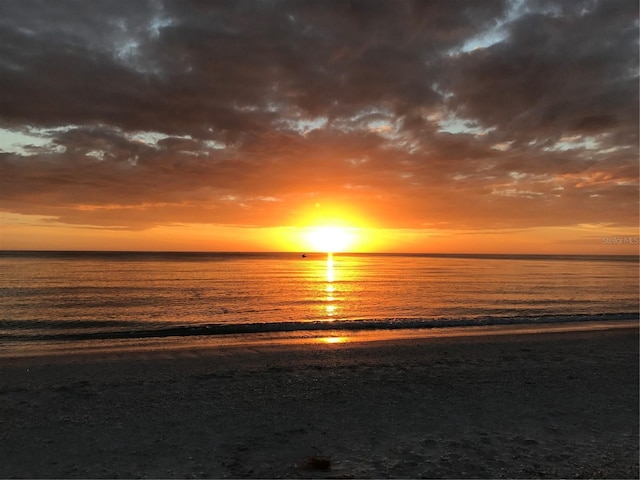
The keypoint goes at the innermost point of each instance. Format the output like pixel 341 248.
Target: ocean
pixel 83 299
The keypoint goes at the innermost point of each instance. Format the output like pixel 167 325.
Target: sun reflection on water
pixel 333 339
pixel 330 271
pixel 330 288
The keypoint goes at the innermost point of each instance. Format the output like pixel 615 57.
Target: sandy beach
pixel 542 405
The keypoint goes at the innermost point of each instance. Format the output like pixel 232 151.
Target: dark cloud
pixel 562 70
pixel 466 114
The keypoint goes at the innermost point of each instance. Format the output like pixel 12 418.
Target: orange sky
pixel 36 234
pixel 474 127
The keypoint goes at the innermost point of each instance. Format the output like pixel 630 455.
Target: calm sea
pixel 76 297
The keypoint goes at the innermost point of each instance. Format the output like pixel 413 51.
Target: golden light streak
pixel 330 289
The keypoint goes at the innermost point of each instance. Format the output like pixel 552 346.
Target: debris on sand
pixel 317 463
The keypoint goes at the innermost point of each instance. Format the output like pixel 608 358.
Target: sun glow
pixel 328 228
pixel 330 239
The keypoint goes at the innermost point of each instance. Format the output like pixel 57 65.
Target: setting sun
pixel 330 239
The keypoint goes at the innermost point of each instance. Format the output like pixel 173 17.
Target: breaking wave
pixel 213 329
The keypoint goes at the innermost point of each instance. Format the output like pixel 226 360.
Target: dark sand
pixel 552 405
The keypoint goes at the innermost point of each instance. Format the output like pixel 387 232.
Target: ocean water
pixel 73 297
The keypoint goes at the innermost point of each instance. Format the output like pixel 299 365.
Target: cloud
pixel 467 114
pixel 569 70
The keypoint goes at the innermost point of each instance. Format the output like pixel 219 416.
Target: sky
pixel 415 126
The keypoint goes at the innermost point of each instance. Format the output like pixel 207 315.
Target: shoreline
pixel 49 351
pixel 559 405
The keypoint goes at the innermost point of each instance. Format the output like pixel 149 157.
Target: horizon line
pixel 292 252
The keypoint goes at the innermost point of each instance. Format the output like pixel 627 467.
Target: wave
pixel 214 329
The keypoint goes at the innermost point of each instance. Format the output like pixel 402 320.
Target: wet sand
pixel 538 405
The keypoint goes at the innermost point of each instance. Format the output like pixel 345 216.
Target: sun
pixel 327 227
pixel 329 239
